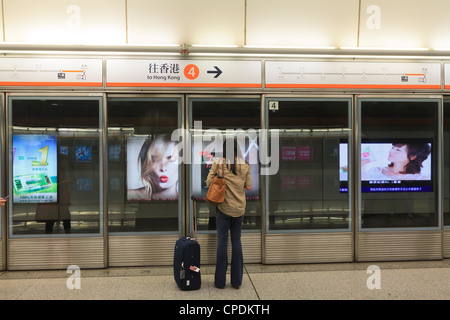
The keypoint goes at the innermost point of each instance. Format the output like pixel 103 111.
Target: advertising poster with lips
pixel 152 168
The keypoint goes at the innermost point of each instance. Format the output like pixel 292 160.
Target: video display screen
pixel 83 153
pixel 391 165
pixel 114 152
pixel 64 150
pixel 84 184
pixel 152 168
pixel 35 168
pixel 298 153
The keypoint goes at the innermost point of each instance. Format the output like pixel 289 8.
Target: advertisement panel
pixel 35 168
pixel 390 165
pixel 152 168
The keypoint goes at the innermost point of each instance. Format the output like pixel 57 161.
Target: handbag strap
pixel 223 171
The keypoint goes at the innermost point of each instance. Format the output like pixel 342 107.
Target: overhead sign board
pixel 183 73
pixel 446 76
pixel 51 72
pixel 352 75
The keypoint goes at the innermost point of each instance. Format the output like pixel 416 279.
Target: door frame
pixel 328 245
pixel 251 239
pixel 58 252
pixel 148 248
pixel 420 243
pixel 3 183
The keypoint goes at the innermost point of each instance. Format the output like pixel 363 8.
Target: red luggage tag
pixel 194 268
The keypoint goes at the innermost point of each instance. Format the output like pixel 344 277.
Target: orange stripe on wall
pixel 50 84
pixel 80 71
pixel 207 85
pixel 354 86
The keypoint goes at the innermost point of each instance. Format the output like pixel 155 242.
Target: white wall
pixel 337 23
pixel 302 23
pixel 189 22
pixel 65 21
pixel 405 23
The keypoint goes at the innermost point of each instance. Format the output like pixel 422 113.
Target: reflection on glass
pixel 55 166
pixel 223 115
pixel 309 191
pixel 143 169
pixel 398 164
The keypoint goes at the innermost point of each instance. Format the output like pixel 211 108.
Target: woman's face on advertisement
pixel 398 154
pixel 165 174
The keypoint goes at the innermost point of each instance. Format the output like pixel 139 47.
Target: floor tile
pixel 347 281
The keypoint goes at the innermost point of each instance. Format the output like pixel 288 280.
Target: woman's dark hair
pixel 416 153
pixel 229 156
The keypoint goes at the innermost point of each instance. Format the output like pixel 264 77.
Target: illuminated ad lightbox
pixel 35 168
pixel 152 168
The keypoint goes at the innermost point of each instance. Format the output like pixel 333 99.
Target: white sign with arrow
pixel 218 72
pixel 183 73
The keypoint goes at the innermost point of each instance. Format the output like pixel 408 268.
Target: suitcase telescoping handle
pixel 194 217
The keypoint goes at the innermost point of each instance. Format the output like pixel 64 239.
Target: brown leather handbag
pixel 216 191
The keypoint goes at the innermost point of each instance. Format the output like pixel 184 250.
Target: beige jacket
pixel 234 204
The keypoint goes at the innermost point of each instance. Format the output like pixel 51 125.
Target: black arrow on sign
pixel 218 72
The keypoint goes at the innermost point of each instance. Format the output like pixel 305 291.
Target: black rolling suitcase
pixel 186 261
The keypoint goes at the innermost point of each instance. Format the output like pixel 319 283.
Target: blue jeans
pixel 223 224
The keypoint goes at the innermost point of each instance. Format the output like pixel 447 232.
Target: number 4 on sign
pixel 191 71
pixel 273 105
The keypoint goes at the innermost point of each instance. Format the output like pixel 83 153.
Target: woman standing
pixel 229 214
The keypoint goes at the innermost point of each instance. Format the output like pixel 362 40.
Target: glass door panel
pixel 3 190
pixel 54 164
pixel 220 117
pixel 399 166
pixel 143 171
pixel 446 151
pixel 310 190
